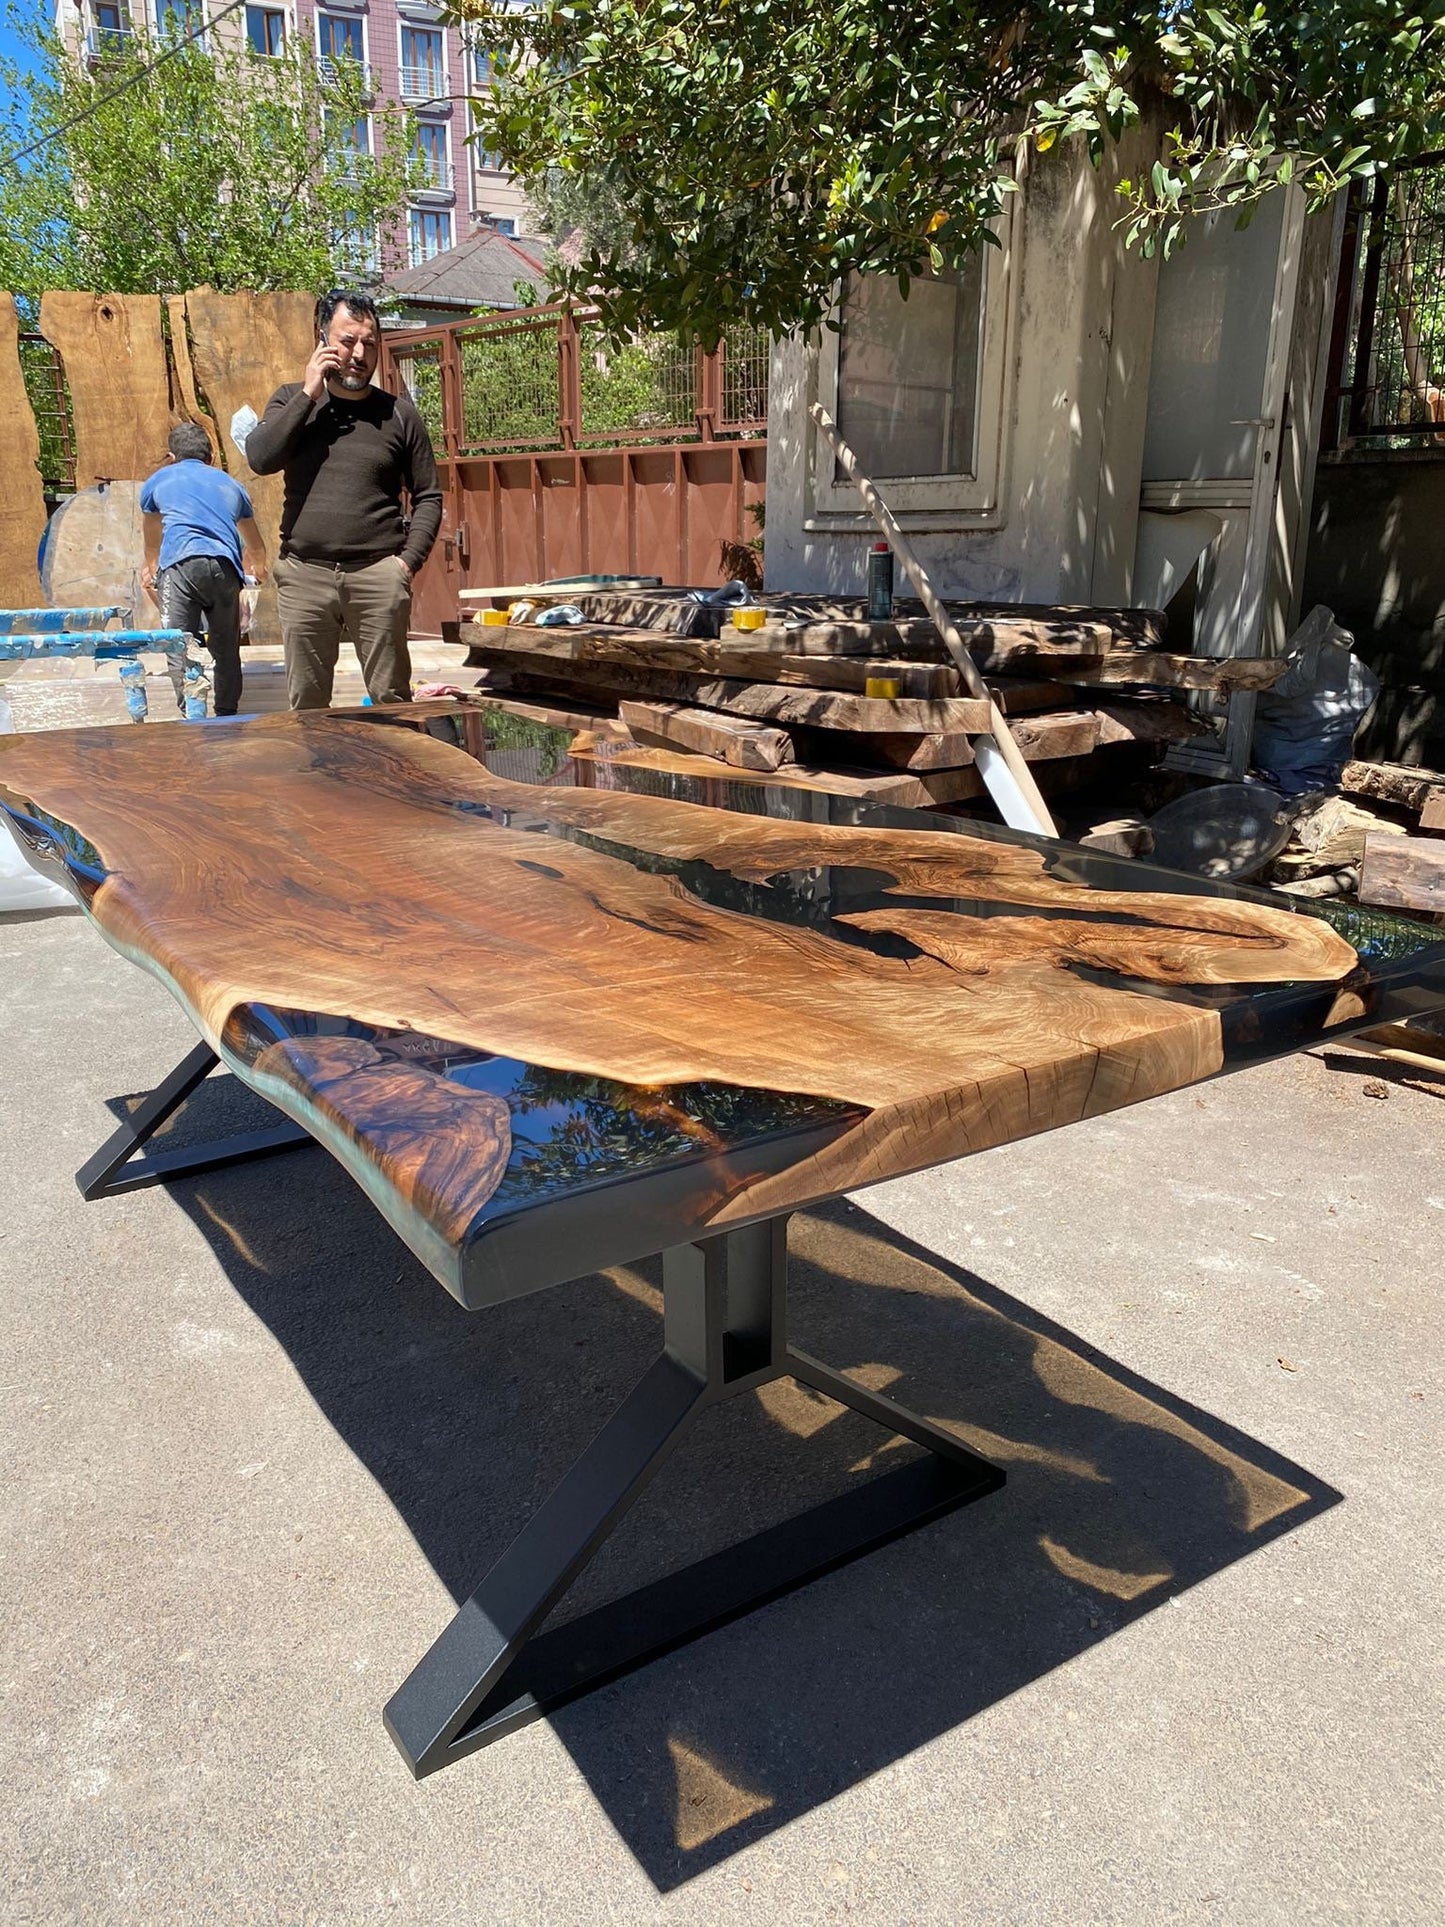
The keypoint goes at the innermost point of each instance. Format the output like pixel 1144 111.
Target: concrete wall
pixel 1377 557
pixel 1075 376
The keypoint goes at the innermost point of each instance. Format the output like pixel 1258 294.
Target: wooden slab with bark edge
pixel 1152 669
pixel 1403 873
pixel 388 880
pixel 1408 789
pixel 731 739
pixel 22 498
pixel 115 369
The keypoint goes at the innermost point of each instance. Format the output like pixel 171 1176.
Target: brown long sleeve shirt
pixel 347 465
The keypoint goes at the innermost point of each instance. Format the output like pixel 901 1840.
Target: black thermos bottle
pixel 880 583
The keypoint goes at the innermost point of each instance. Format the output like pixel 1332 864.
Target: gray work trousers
pixel 202 595
pixel 320 602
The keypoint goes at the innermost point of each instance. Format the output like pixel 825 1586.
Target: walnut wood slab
pixel 550 1027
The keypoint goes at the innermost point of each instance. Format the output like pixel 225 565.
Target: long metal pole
pixel 1000 761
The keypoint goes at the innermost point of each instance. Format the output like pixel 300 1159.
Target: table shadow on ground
pixel 1119 1495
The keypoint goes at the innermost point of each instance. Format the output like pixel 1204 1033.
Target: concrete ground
pixel 1188 1666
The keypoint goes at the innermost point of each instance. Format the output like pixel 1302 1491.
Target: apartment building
pixel 410 58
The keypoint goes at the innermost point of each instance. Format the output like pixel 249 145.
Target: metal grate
pixel 645 389
pixel 420 370
pixel 746 356
pixel 510 387
pixel 50 403
pixel 1396 384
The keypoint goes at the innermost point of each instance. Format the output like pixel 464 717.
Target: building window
pixel 265 30
pixel 338 38
pixel 348 144
pixel 180 17
pixel 908 373
pixel 423 64
pixel 431 151
pixel 483 66
pixel 111 30
pixel 429 233
pixel 504 224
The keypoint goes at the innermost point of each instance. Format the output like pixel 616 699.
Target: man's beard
pixel 354 382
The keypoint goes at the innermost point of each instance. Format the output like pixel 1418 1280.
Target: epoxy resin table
pixel 557 1013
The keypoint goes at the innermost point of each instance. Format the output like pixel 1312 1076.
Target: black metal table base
pixel 725 1332
pixel 724 1303
pixel 97 1177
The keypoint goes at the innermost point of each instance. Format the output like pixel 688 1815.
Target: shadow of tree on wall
pixel 1119 1495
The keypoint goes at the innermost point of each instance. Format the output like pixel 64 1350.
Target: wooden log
pixel 708 732
pixel 22 497
pixel 1408 789
pixel 115 367
pixel 1403 873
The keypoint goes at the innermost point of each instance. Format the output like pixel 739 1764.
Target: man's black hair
pixel 189 442
pixel 361 305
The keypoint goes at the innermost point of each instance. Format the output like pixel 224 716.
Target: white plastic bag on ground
pixel 22 888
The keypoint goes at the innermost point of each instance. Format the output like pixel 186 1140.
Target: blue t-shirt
pixel 199 507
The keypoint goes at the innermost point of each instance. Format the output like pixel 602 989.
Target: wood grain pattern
pixel 22 498
pixel 1404 873
pixel 733 740
pixel 115 366
pixel 245 346
pixel 902 789
pixel 387 878
pixel 190 402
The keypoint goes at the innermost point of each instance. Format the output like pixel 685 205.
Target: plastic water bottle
pixel 198 690
pixel 133 681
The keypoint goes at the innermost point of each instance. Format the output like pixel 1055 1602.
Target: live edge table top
pixel 556 1012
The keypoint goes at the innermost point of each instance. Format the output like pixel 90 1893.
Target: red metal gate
pixel 563 454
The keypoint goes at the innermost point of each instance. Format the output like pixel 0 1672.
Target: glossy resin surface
pixel 554 1009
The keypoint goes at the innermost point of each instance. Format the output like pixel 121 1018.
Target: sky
pixel 10 46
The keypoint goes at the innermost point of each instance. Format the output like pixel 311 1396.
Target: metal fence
pixel 540 379
pixel 1388 372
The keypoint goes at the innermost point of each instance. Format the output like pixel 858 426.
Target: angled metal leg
pixel 97 1176
pixel 725 1322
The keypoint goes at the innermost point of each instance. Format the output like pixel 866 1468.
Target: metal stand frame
pixel 97 1176
pixel 725 1332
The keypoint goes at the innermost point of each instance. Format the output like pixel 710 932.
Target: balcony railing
pixel 101 43
pixel 331 70
pixel 419 84
pixel 436 177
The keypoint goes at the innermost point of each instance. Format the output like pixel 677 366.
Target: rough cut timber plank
pixel 731 655
pixel 775 703
pixel 926 790
pixel 115 367
pixel 1160 721
pixel 22 497
pixel 1432 817
pixel 993 642
pixel 1071 732
pixel 732 740
pixel 1408 789
pixel 1403 873
pixel 888 749
pixel 1022 696
pixel 1150 669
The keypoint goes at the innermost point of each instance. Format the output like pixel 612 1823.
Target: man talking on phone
pixel 355 461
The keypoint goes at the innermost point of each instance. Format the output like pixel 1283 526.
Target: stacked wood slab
pixel 792 699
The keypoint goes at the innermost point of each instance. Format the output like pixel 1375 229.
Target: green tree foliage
pixel 219 168
pixel 759 149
